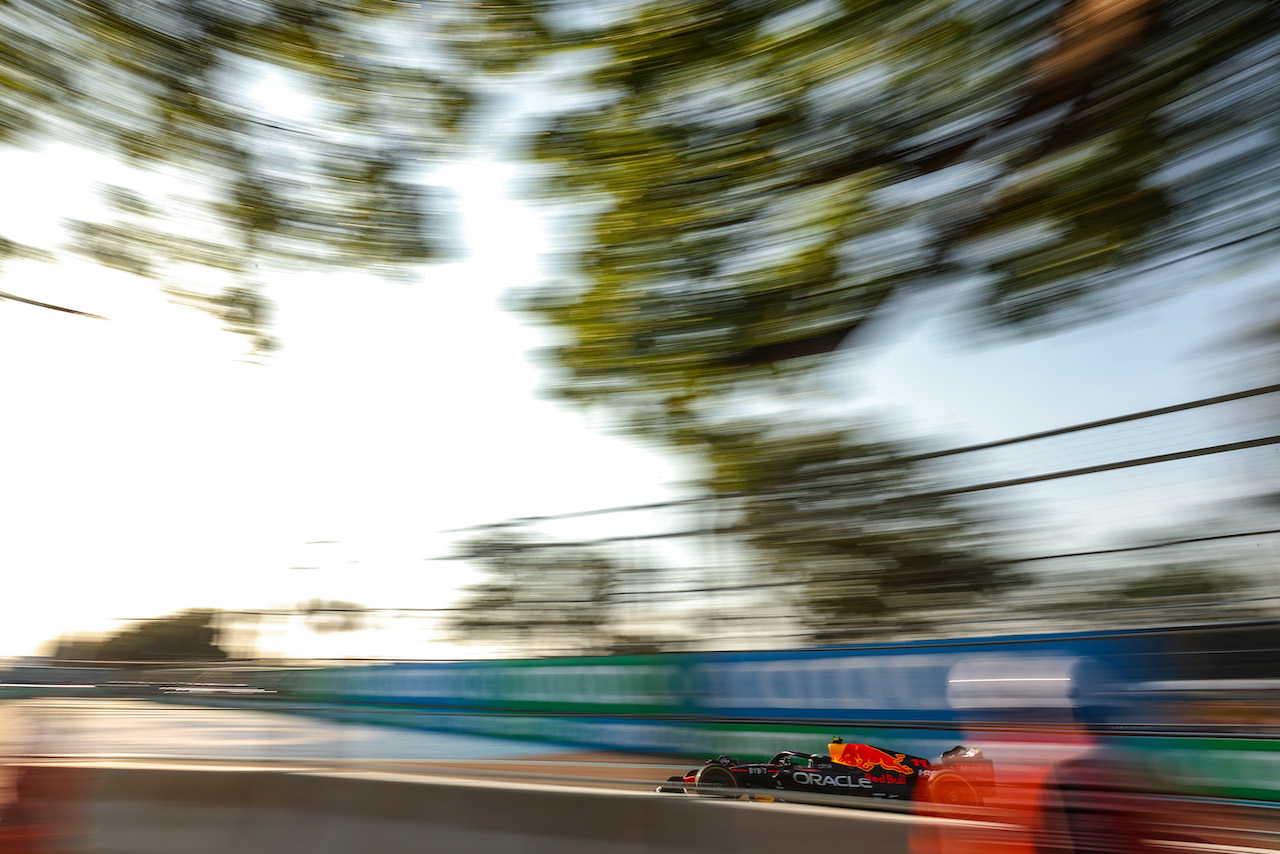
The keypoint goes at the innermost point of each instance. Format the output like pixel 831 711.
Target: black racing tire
pixel 716 781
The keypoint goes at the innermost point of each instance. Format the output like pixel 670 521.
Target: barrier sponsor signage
pixel 1246 768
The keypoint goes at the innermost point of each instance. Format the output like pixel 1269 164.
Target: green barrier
pixel 697 740
pixel 1242 768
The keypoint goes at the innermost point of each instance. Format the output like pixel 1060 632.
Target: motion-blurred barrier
pixel 1195 707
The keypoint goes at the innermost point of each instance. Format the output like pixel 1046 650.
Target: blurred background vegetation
pixel 188 636
pixel 740 188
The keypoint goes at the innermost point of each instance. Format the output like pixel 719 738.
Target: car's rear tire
pixel 952 790
pixel 716 781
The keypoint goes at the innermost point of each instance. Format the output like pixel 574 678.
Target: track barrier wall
pixel 1197 707
pixel 1194 708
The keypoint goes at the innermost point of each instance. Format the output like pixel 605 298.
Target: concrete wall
pixel 173 810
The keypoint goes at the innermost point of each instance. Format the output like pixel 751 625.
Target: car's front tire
pixel 716 781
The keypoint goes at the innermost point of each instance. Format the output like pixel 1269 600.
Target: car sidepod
pixel 829 778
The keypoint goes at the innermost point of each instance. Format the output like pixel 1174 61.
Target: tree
pixel 186 636
pixel 765 177
pixel 1182 583
pixel 755 182
pixel 538 594
pixel 1171 591
pixel 1252 346
pixel 174 90
pixel 326 616
pixel 870 536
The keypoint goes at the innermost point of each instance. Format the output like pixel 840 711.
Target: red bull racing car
pixel 962 777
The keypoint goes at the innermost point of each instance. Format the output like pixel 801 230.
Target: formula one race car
pixel 960 778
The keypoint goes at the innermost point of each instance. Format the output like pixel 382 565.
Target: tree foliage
pixel 187 636
pixel 537 594
pixel 327 616
pixel 180 91
pixel 762 176
pixel 871 536
pixel 1171 592
pixel 755 181
pixel 765 177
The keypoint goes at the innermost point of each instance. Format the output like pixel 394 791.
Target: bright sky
pixel 148 470
pixel 1170 352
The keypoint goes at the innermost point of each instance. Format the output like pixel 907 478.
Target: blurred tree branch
pixel 762 184
pixel 556 599
pixel 176 90
pixel 754 183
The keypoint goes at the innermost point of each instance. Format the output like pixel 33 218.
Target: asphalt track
pixel 138 730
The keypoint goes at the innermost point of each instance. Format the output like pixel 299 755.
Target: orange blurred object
pixel 43 808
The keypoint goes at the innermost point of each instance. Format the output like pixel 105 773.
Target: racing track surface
pixel 141 732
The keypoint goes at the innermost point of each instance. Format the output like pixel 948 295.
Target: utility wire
pixel 915 458
pixel 899 499
pixel 49 305
pixel 766 585
pixel 534 604
pixel 769 585
pixel 1161 545
pixel 1122 464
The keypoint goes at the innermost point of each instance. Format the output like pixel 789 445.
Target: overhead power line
pixel 1076 472
pixel 843 510
pixel 1185 541
pixel 933 455
pixel 1102 422
pixel 49 305
pixel 768 585
pixel 763 585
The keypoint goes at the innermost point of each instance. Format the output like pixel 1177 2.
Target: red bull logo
pixel 864 757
